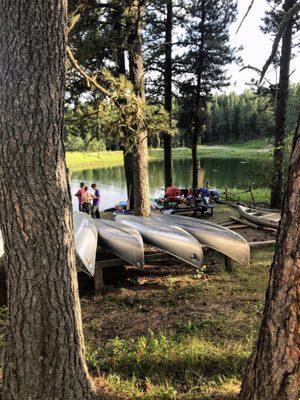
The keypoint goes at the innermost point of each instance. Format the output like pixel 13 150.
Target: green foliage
pixel 247 116
pixel 74 143
pixel 114 121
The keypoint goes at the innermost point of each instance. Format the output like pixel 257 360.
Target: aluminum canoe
pixel 269 219
pixel 212 235
pixel 174 241
pixel 125 242
pixel 86 237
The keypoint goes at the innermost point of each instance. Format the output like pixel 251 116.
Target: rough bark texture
pixel 121 70
pixel 129 168
pixel 168 93
pixel 44 356
pixel 200 105
pixel 280 112
pixel 140 150
pixel 195 161
pixel 273 371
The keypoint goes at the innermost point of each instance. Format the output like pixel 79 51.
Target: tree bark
pixel 280 112
pixel 168 93
pixel 140 149
pixel 129 168
pixel 273 371
pixel 195 161
pixel 200 104
pixel 120 54
pixel 44 355
pixel 121 70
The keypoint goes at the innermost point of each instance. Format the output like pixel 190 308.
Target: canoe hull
pixel 125 242
pixel 174 241
pixel 259 217
pixel 212 235
pixel 85 237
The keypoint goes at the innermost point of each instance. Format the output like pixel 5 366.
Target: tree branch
pixel 286 19
pixel 245 16
pixel 254 69
pixel 89 80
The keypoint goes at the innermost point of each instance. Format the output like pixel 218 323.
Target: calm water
pixel 218 172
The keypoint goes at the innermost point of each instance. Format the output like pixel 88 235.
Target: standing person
pixel 96 202
pixel 79 195
pixel 86 199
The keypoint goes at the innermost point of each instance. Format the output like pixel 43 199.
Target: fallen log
pixel 241 221
pixel 262 243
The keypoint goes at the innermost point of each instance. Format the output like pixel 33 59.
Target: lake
pixel 218 172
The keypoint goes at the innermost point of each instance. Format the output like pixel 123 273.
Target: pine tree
pixel 204 63
pixel 44 355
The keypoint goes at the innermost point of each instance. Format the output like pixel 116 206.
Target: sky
pixel 256 46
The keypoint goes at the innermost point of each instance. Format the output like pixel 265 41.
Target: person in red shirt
pixel 79 195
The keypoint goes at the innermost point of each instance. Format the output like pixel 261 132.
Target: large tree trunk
pixel 168 93
pixel 121 70
pixel 280 112
pixel 44 355
pixel 129 175
pixel 273 371
pixel 195 162
pixel 140 149
pixel 199 113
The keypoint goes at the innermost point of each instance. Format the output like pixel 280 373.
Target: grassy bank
pixel 251 149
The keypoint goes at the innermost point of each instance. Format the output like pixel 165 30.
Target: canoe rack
pixel 151 257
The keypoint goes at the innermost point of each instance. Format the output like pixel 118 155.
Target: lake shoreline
pixel 248 150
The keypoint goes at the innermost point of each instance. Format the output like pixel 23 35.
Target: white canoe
pixel 269 219
pixel 174 241
pixel 212 235
pixel 86 237
pixel 125 242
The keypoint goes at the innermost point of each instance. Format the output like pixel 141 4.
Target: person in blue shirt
pixel 96 202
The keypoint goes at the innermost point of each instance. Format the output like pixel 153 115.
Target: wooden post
pixel 228 264
pixel 98 278
pixel 252 195
pixel 226 194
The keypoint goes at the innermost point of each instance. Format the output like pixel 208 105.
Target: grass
pixel 261 195
pixel 251 149
pixel 77 160
pixel 168 332
pixel 173 333
pixel 198 349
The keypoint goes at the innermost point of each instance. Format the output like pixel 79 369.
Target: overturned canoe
pixel 174 241
pixel 86 237
pixel 269 219
pixel 212 235
pixel 125 242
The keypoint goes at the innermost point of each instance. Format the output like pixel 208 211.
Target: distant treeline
pixel 247 116
pixel 230 118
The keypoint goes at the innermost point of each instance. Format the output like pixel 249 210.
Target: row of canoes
pixel 182 237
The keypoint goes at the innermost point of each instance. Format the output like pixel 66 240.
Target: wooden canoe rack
pixel 151 257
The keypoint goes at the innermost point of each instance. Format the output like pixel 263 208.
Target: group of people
pixel 89 202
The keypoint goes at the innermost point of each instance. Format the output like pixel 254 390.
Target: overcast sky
pixel 257 46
